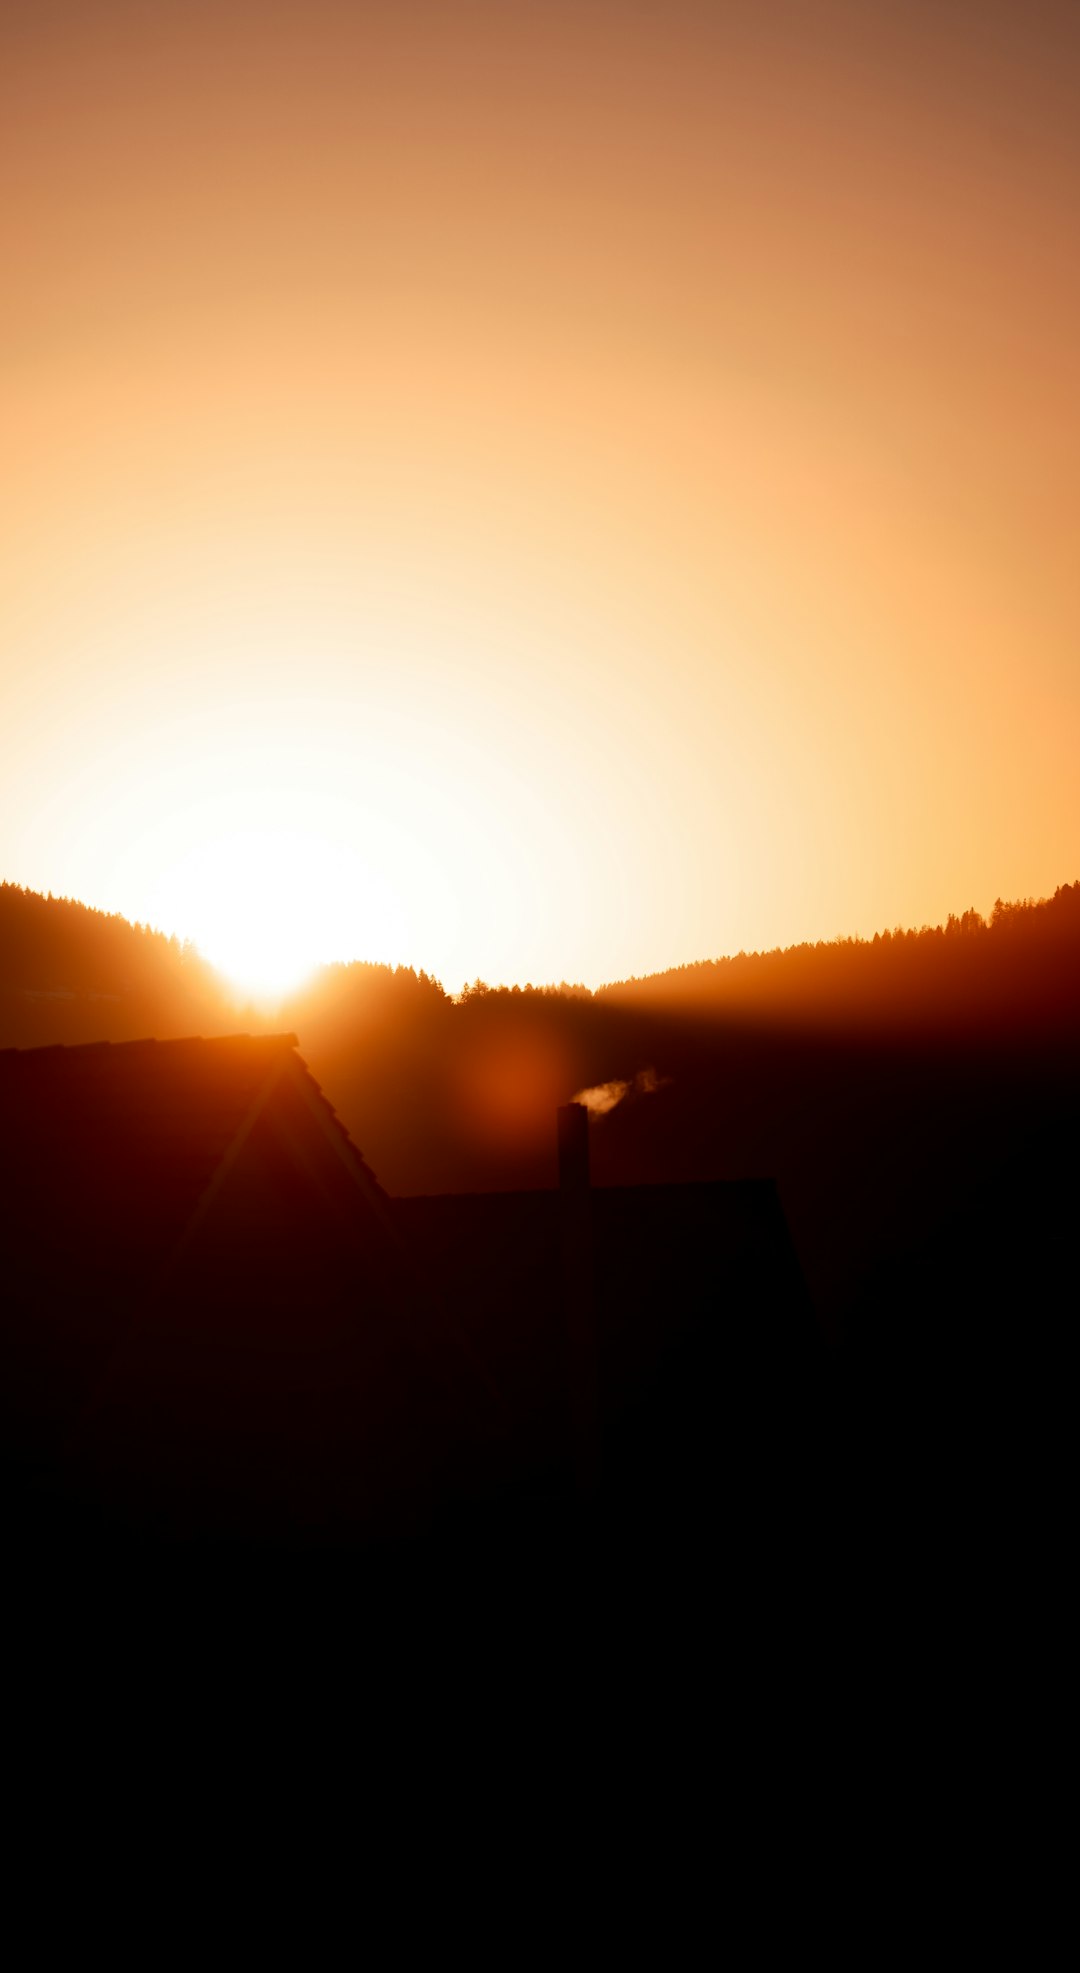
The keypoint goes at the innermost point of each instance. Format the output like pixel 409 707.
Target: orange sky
pixel 538 490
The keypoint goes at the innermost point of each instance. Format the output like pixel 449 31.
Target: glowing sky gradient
pixel 538 491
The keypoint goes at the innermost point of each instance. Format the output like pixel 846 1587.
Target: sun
pixel 262 962
pixel 252 898
pixel 264 905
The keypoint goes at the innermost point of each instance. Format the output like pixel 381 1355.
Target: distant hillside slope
pixel 68 972
pixel 71 974
pixel 1025 958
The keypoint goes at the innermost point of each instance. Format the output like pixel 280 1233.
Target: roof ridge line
pixel 286 1038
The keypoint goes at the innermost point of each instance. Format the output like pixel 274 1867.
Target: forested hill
pixel 72 974
pixel 1024 958
pixel 68 972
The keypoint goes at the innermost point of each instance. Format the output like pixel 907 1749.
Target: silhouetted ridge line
pixel 63 965
pixel 1026 952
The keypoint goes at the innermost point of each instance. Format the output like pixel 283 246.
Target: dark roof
pixel 692 1290
pixel 179 1102
pixel 110 1152
pixel 201 1269
pixel 722 1245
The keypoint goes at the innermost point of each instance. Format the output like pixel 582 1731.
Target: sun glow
pixel 264 907
pixel 552 497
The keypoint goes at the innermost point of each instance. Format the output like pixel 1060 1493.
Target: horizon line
pixel 246 999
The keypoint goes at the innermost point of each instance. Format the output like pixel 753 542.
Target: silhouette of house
pixel 217 1323
pixel 210 1323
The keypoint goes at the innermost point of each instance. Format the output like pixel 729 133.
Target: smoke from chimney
pixel 604 1097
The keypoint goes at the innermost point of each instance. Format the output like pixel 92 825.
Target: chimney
pixel 573 1123
pixel 576 1245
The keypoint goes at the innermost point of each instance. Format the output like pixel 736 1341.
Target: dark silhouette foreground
pixel 219 1330
pixel 914 1099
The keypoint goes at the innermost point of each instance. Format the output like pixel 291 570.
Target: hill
pixel 71 974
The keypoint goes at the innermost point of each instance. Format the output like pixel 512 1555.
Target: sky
pixel 543 491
